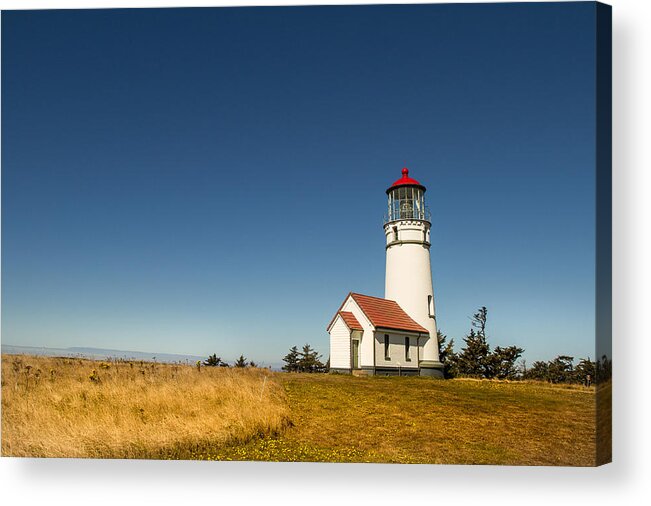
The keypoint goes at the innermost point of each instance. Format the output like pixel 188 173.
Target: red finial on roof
pixel 405 180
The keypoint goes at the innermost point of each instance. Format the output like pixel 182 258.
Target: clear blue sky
pixel 212 180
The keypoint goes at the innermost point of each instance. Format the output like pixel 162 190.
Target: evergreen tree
pixel 447 356
pixel 240 362
pixel 291 360
pixel 501 363
pixel 213 361
pixel 585 371
pixel 479 321
pixel 560 370
pixel 521 369
pixel 252 364
pixel 539 370
pixel 309 360
pixel 473 359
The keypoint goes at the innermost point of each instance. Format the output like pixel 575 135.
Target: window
pixel 407 358
pixel 386 347
pixel 430 305
pixel 395 233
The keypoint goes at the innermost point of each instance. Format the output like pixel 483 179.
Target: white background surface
pixel 626 481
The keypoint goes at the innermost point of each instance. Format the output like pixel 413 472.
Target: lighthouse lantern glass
pixel 406 203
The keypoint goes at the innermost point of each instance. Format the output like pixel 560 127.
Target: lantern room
pixel 407 200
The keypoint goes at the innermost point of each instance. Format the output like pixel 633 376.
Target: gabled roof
pixel 350 320
pixel 386 314
pixel 382 313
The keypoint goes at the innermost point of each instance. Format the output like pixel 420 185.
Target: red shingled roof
pixel 350 320
pixel 382 313
pixel 386 314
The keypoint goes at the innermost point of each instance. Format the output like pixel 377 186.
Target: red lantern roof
pixel 405 180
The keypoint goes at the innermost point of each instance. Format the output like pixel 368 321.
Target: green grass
pixel 338 418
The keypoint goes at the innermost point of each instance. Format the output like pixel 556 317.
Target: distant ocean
pixel 98 353
pixel 103 354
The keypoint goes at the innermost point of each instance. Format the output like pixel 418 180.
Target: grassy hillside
pixel 418 420
pixel 60 407
pixel 63 407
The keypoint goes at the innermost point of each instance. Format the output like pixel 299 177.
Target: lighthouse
pixel 408 278
pixel 394 334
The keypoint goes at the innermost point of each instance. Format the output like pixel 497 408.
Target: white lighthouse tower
pixel 394 335
pixel 408 270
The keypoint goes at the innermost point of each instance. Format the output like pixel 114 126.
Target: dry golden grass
pixel 63 407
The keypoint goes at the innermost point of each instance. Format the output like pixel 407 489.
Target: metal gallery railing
pixel 408 214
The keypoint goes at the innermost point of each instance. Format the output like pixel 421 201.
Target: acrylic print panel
pixel 333 234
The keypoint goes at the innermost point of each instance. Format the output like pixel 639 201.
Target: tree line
pixel 562 370
pixel 305 360
pixel 215 361
pixel 477 360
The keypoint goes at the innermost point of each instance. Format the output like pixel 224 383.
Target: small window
pixel 430 305
pixel 407 357
pixel 386 347
pixel 395 233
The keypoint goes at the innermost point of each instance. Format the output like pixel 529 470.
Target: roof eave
pixel 411 331
pixel 412 185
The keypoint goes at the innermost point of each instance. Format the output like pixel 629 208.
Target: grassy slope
pixel 416 420
pixel 64 407
pixel 145 410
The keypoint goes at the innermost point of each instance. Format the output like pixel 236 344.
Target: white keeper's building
pixel 395 334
